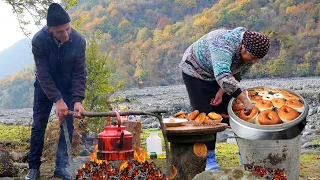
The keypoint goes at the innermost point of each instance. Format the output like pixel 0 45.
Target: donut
pixel 200 118
pixel 237 106
pixel 254 99
pixel 259 89
pixel 251 117
pixel 193 115
pixel 295 104
pixel 283 92
pixel 278 95
pixel 178 114
pixel 278 102
pixel 290 96
pixel 214 116
pixel 275 90
pixel 268 117
pixel 251 92
pixel 264 105
pixel 287 114
pixel 263 93
pixel 268 97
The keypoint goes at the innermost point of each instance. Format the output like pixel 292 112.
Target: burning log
pixel 268 173
pixel 132 170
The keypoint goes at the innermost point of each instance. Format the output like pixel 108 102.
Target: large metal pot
pixel 251 131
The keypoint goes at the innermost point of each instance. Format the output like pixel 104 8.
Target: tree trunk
pixel 135 128
pixel 189 159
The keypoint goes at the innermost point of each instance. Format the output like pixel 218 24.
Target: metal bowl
pixel 251 131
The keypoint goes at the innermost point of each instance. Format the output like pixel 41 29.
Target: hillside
pixel 15 58
pixel 148 38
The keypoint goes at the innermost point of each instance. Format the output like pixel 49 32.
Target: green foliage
pixel 16 91
pixel 99 68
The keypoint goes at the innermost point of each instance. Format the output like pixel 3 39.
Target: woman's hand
pixel 218 98
pixel 243 97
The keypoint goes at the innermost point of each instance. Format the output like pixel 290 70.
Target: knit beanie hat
pixel 255 43
pixel 57 15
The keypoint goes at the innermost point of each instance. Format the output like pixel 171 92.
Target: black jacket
pixel 60 70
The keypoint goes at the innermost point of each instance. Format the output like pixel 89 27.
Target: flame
pixel 140 154
pixel 93 156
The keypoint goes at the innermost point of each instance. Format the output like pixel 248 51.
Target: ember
pixel 268 173
pixel 138 168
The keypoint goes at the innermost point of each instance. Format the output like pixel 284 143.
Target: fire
pixel 131 169
pixel 93 156
pixel 274 174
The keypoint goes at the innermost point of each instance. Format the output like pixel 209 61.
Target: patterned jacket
pixel 216 56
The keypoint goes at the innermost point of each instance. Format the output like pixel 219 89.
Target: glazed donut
pixel 268 117
pixel 214 116
pixel 268 97
pixel 278 102
pixel 237 106
pixel 251 117
pixel 278 95
pixel 290 96
pixel 295 104
pixel 178 114
pixel 287 114
pixel 263 93
pixel 193 115
pixel 264 105
pixel 200 118
pixel 255 99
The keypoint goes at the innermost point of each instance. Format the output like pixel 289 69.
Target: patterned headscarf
pixel 255 43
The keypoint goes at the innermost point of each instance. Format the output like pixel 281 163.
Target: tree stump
pixel 6 164
pixel 135 128
pixel 189 159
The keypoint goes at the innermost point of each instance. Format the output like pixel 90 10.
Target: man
pixel 59 54
pixel 212 68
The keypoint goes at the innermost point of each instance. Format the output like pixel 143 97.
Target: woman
pixel 212 68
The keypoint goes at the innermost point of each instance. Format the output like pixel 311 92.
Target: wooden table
pixel 187 149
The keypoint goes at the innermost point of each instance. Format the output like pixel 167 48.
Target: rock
pixel 307 145
pixel 311 111
pixel 148 121
pixel 308 151
pixel 16 157
pixel 226 174
pixel 6 164
pixel 85 152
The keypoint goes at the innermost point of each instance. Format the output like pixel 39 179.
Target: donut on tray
pixel 268 117
pixel 251 117
pixel 295 104
pixel 287 114
pixel 264 105
pixel 278 102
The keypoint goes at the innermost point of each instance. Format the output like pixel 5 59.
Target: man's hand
pixel 61 110
pixel 218 98
pixel 78 110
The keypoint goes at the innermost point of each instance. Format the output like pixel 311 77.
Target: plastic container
pixel 154 142
pixel 274 154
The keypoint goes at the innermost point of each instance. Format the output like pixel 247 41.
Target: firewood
pixel 135 128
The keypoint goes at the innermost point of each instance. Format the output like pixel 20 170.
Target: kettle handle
pixel 119 120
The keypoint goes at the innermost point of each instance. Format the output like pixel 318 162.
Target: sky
pixel 10 32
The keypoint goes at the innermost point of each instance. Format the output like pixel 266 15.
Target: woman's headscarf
pixel 255 43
